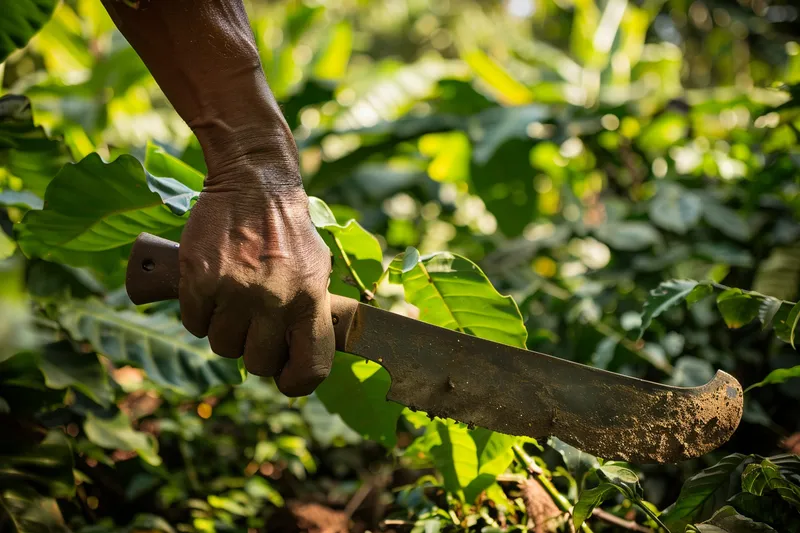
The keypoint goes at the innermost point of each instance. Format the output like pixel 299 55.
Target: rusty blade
pixel 519 392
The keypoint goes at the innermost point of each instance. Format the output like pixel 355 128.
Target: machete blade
pixel 519 392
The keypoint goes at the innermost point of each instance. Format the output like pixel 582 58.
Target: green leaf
pixel 675 208
pixel 786 323
pixel 468 459
pixel 331 62
pixel 45 467
pixel 777 376
pixel 16 332
pixel 63 367
pixel 93 207
pixel 699 292
pixel 667 294
pixel 623 478
pixel 662 132
pixel 356 390
pixel 159 163
pixel 23 510
pixel 779 274
pixel 578 462
pixel 450 291
pixel 512 200
pixel 25 150
pixel 158 344
pixel 726 220
pixel 117 434
pixel 355 386
pixel 763 477
pixel 738 307
pixel 589 500
pixel 706 491
pixel 357 254
pixel 728 520
pixel 7 246
pixel 21 20
pixel 767 310
pixel 628 236
pixel 456 457
pixel 769 509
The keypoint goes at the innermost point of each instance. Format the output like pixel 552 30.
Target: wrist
pixel 245 127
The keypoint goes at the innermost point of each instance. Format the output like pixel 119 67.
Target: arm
pixel 254 272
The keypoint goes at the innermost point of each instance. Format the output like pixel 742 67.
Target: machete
pixel 510 390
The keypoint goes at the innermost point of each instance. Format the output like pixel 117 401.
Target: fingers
pixel 311 350
pixel 228 330
pixel 266 350
pixel 196 307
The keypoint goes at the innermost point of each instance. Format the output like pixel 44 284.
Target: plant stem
pixel 366 296
pixel 538 474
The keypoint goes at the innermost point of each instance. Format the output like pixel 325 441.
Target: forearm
pixel 204 57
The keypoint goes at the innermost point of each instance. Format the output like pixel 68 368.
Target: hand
pixel 254 277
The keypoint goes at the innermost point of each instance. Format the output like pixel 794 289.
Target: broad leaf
pixel 768 309
pixel 117 434
pixel 25 150
pixel 628 236
pixel 764 477
pixel 726 220
pixel 705 491
pixel 578 462
pixel 738 308
pixel 452 292
pixel 45 467
pixel 589 500
pixel 513 199
pixel 728 520
pixel 676 209
pixel 63 367
pixel 158 344
pixel 769 509
pixel 16 332
pixel 666 295
pixel 355 386
pixel 160 163
pixel 20 21
pixel 93 207
pixel 469 459
pixel 779 274
pixel 28 512
pixel 356 253
pixel 30 477
pixel 356 390
pixel 623 478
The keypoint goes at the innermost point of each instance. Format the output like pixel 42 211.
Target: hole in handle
pixel 148 265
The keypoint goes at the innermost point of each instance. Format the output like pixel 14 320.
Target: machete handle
pixel 154 274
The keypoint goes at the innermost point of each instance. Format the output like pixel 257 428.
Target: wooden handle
pixel 154 275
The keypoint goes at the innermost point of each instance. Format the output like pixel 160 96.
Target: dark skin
pixel 254 271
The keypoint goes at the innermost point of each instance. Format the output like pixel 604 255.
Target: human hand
pixel 254 274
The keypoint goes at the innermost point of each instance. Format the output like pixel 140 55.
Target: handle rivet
pixel 148 265
pixel 335 319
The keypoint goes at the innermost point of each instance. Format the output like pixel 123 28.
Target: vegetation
pixel 626 171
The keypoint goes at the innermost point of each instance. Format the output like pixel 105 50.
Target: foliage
pixel 561 179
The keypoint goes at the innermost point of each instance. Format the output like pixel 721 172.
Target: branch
pixel 630 525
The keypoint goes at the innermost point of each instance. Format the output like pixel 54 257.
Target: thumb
pixel 312 346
